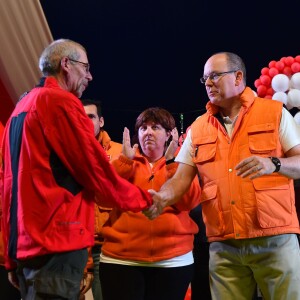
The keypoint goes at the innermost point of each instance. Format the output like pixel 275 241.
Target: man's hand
pixel 254 167
pixel 156 208
pixel 86 283
pixel 13 279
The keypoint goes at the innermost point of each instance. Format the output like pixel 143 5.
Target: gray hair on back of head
pixel 49 62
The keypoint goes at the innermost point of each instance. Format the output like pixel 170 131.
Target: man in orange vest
pixel 246 151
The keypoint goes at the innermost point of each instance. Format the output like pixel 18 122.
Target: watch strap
pixel 276 163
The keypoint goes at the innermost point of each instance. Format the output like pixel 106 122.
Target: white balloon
pixel 297 117
pixel 295 81
pixel 280 96
pixel 288 106
pixel 294 97
pixel 280 83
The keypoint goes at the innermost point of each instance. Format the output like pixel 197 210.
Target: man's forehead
pixel 90 108
pixel 215 63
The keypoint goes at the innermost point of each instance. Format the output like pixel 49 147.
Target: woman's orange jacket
pixel 132 236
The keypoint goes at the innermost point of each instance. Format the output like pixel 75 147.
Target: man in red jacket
pixel 52 167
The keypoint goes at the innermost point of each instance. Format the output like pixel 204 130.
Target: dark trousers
pixel 7 290
pixel 200 282
pixel 96 285
pixel 120 282
pixel 55 277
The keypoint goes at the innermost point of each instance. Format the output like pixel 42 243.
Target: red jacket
pixel 132 236
pixel 52 167
pixel 1 240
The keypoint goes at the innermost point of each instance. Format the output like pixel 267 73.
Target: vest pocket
pixel 212 214
pixel 273 198
pixel 262 138
pixel 204 148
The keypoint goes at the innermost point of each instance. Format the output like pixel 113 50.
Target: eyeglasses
pixel 86 65
pixel 215 76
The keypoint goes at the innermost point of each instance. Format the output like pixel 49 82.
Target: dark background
pixel 147 53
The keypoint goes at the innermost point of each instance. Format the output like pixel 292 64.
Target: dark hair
pixel 97 103
pixel 157 115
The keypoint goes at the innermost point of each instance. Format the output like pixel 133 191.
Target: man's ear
pixel 239 77
pixel 101 122
pixel 64 63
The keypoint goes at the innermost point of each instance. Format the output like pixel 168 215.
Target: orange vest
pixel 235 207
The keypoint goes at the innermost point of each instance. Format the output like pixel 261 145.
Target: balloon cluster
pixel 281 81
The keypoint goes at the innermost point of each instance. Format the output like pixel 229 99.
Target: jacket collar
pixel 246 98
pixel 104 140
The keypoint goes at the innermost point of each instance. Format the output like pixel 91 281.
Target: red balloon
pixel 268 96
pixel 265 79
pixel 287 71
pixel 273 72
pixel 297 58
pixel 280 65
pixel 270 91
pixel 289 60
pixel 282 59
pixel 265 71
pixel 295 67
pixel 261 91
pixel 257 83
pixel 272 63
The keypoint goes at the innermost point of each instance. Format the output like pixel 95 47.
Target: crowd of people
pixel 147 218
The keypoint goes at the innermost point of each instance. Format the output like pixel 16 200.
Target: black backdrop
pixel 151 52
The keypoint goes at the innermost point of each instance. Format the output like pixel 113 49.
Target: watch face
pixel 276 162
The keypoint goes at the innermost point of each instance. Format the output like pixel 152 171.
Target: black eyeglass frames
pixel 215 76
pixel 86 65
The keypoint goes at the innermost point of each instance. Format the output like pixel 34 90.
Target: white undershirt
pixel 178 261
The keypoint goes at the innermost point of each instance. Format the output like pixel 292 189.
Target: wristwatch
pixel 276 163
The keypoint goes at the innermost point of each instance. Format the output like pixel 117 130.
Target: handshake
pixel 158 205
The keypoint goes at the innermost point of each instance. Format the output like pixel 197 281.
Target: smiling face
pixel 152 139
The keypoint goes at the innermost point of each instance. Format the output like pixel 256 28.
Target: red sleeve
pixel 70 133
pixel 1 240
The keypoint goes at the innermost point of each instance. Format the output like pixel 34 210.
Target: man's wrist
pixel 169 161
pixel 276 162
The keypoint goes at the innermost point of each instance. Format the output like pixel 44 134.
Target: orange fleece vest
pixel 235 207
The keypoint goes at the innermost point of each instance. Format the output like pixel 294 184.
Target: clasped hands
pixel 156 208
